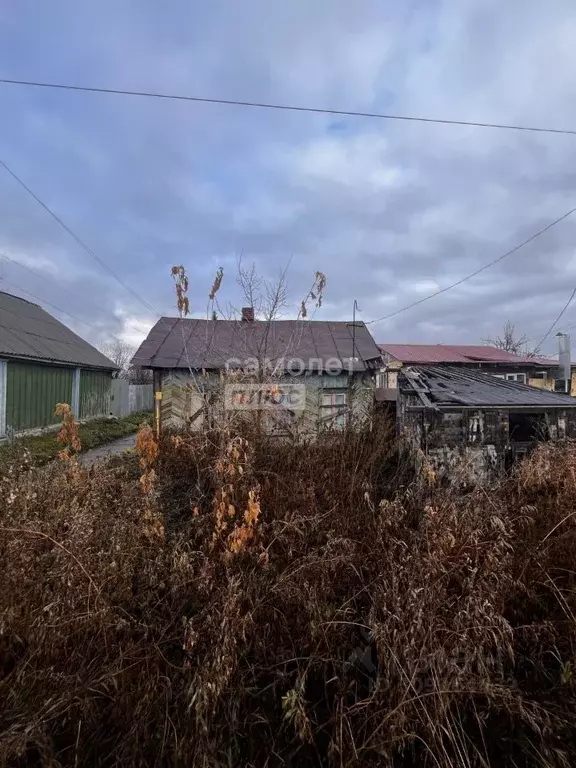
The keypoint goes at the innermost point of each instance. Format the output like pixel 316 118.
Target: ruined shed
pixel 472 421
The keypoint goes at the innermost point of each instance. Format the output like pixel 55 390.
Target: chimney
pixel 247 314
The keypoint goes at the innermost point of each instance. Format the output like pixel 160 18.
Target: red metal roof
pixel 458 353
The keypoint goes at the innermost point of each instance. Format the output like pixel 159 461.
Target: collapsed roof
pixel 452 387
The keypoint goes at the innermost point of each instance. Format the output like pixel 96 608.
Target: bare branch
pixel 120 353
pixel 510 342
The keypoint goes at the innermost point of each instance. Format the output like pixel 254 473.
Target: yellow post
pixel 158 403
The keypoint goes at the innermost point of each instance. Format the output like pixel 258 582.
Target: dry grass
pixel 346 614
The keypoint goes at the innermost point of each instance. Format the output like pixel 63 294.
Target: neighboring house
pixel 323 370
pixel 42 363
pixel 467 420
pixel 536 371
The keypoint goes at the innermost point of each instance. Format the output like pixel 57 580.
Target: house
pixel 525 369
pixel 307 373
pixel 457 417
pixel 42 363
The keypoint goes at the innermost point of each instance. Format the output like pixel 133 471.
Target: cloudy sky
pixel 390 211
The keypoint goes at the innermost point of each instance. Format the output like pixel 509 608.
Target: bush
pixel 264 602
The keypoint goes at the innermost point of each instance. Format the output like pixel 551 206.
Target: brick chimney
pixel 248 314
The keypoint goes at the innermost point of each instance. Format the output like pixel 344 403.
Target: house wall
pixel 29 393
pixel 32 392
pixel 468 445
pixel 183 399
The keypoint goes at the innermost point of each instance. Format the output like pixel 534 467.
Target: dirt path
pixel 104 451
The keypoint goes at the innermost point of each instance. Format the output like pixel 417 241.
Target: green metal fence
pixel 94 394
pixel 32 392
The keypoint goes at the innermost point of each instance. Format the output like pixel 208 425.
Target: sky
pixel 390 211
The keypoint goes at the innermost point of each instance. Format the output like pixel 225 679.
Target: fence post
pixel 158 402
pixel 3 374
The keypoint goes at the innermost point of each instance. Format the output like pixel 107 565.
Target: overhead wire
pixel 93 255
pixel 53 306
pixel 283 107
pixel 59 285
pixel 293 108
pixel 49 304
pixel 562 311
pixel 477 271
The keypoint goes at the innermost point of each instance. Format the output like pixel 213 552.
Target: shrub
pixel 365 618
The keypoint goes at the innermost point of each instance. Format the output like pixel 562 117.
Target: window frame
pixel 334 414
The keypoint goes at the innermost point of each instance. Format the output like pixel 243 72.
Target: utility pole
pixel 355 308
pixel 564 360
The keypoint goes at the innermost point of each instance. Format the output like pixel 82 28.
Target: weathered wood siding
pixel 184 396
pixel 469 445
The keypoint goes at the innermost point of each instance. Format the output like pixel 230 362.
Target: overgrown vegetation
pixel 45 447
pixel 255 602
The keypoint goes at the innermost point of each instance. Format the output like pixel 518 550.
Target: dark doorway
pixel 528 427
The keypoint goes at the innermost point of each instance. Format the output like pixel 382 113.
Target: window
pixel 520 377
pixel 333 408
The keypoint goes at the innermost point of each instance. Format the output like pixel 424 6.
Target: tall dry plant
pixel 180 278
pixel 315 294
pixel 236 500
pixel 216 284
pixel 147 450
pixel 68 433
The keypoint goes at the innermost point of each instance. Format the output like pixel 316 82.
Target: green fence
pixel 94 394
pixel 32 392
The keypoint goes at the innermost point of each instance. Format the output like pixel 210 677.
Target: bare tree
pixel 120 353
pixel 509 341
pixel 138 375
pixel 263 356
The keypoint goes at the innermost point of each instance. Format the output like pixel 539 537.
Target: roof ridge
pixel 19 298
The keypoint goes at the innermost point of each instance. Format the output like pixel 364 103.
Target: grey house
pixel 42 363
pixel 464 419
pixel 326 369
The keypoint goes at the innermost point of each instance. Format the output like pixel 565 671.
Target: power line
pixel 53 306
pixel 564 308
pixel 284 107
pixel 43 301
pixel 80 242
pixel 477 271
pixel 59 285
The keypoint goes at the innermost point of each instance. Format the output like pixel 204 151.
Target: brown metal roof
pixel 213 344
pixel 459 353
pixel 28 332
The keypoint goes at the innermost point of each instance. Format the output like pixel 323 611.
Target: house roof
pixel 449 386
pixel 212 344
pixel 459 353
pixel 30 333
